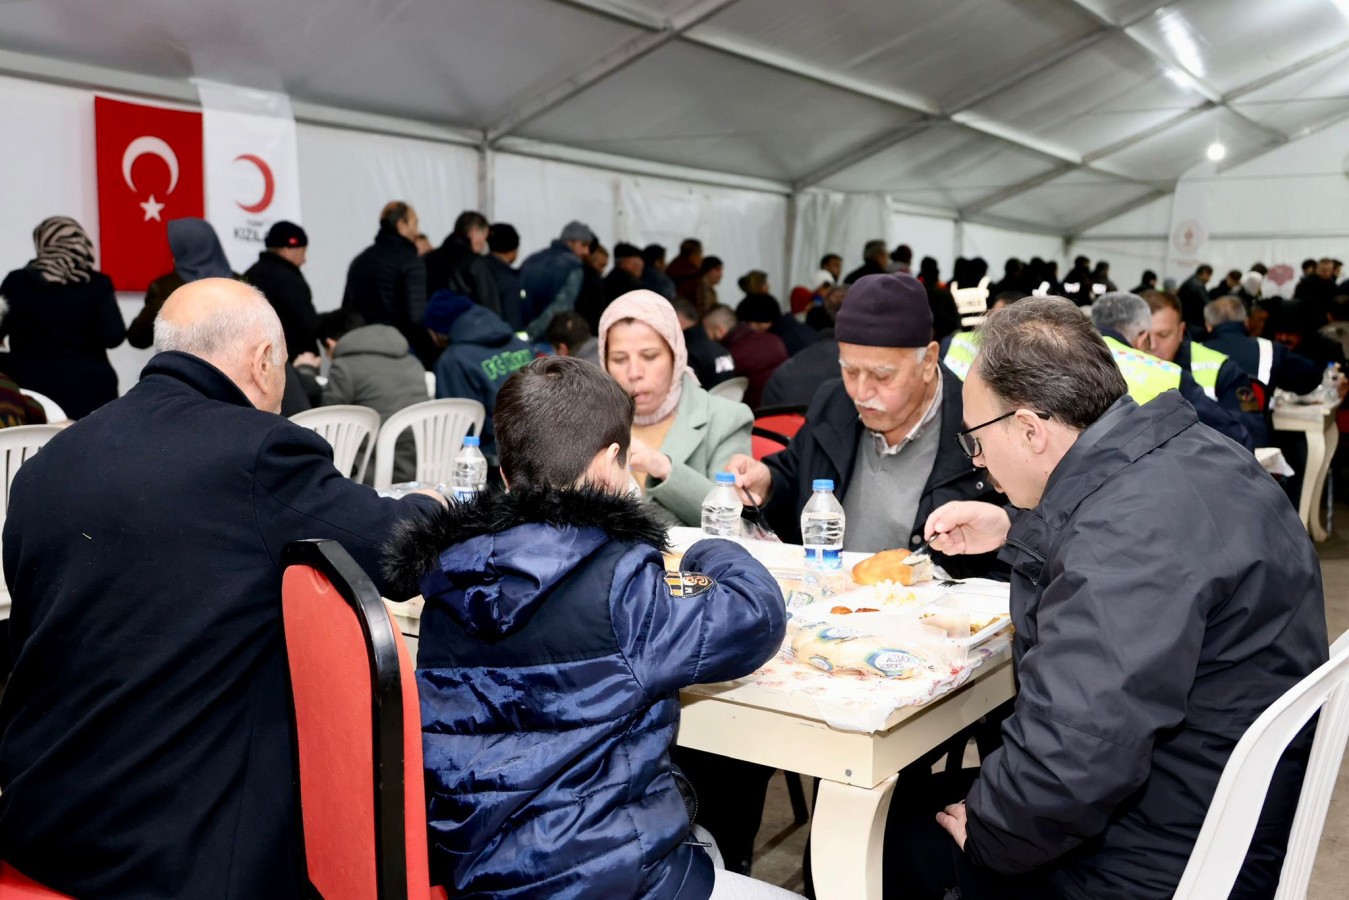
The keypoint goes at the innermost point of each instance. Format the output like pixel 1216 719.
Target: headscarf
pixel 655 311
pixel 65 255
pixel 197 253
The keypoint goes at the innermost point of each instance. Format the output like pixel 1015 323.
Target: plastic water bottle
pixel 822 524
pixel 470 471
pixel 1330 384
pixel 722 508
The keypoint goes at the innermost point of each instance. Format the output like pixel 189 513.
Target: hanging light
pixel 1216 151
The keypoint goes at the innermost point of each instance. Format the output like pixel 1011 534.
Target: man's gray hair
pixel 1041 353
pixel 1224 309
pixel 230 333
pixel 875 248
pixel 1123 312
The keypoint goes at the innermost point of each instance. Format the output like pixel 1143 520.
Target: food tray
pixel 976 606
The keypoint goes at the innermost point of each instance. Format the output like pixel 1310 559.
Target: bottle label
pixel 824 558
pixel 463 495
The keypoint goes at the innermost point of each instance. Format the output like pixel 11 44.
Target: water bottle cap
pixel 470 441
pixel 725 478
pixel 822 484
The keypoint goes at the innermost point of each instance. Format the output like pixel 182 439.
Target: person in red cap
pixel 277 274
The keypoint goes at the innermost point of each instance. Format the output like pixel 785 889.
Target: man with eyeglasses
pixel 885 432
pixel 1158 612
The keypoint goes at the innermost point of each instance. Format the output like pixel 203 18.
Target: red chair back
pixel 14 885
pixel 766 443
pixel 784 420
pixel 357 731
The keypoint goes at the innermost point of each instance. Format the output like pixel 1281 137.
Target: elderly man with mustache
pixel 885 432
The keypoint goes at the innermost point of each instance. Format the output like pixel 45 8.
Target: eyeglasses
pixel 971 444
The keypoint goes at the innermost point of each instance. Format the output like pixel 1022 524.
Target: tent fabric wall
pixel 346 177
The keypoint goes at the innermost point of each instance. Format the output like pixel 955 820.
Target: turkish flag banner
pixel 150 171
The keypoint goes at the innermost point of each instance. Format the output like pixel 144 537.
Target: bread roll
pixel 890 565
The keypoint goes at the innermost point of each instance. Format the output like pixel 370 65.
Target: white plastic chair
pixel 17 446
pixel 971 302
pixel 732 389
pixel 431 385
pixel 438 430
pixel 346 428
pixel 1221 848
pixel 53 409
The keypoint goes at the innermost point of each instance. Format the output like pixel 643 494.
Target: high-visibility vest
pixel 960 353
pixel 1205 362
pixel 1145 374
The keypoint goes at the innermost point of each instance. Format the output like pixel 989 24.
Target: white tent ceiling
pixel 1054 115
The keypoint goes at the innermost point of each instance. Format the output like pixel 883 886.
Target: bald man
pixel 146 750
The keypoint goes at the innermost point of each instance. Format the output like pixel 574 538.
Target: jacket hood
pixel 197 253
pixel 494 560
pixel 383 340
pixel 479 325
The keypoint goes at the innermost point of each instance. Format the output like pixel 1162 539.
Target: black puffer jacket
pixel 1158 612
pixel 386 284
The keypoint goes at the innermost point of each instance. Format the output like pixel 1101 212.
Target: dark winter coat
pixel 386 284
pixel 869 267
pixel 796 381
pixel 654 279
pixel 826 447
pixel 447 267
pixel 553 647
pixel 285 287
pixel 1288 370
pixel 59 337
pixel 483 353
pixel 510 294
pixel 551 279
pixel 796 335
pixel 710 361
pixel 757 355
pixel 1150 633
pixel 146 750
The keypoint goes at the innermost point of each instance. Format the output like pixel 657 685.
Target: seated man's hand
pixel 308 359
pixel 967 526
pixel 753 480
pixel 953 820
pixel 430 492
pixel 644 458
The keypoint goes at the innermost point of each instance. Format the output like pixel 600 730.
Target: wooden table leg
pixel 847 838
pixel 1313 479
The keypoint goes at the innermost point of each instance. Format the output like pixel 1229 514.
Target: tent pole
pixel 789 246
pixel 486 180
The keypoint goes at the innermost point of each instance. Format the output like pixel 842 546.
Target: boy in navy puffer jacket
pixel 553 647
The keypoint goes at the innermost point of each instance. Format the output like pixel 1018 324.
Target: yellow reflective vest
pixel 1146 375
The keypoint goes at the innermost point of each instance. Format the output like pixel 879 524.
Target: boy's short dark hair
pixel 553 416
pixel 333 325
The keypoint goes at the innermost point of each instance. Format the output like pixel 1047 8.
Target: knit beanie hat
pixel 885 311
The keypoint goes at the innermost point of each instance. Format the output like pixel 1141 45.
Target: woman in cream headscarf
pixel 681 435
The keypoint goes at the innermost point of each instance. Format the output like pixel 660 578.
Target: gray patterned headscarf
pixel 65 255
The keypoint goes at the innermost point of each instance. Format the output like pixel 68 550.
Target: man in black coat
pixel 625 277
pixel 451 265
pixel 1193 297
pixel 386 283
pixel 875 261
pixel 1158 612
pixel 277 274
pixel 146 748
pixel 885 433
pixel 710 361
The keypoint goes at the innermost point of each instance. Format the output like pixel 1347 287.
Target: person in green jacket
pixel 681 435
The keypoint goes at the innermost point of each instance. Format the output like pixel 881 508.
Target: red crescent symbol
pixel 268 184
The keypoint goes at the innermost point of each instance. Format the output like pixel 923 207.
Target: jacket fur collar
pixel 416 546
